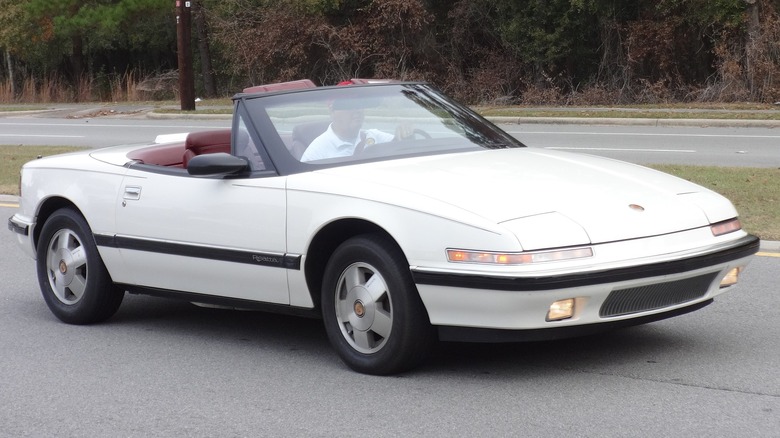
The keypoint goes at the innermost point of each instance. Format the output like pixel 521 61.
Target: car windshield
pixel 333 125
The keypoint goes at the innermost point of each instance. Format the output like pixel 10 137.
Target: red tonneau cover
pixel 292 85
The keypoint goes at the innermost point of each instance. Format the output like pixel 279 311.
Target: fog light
pixel 562 309
pixel 731 278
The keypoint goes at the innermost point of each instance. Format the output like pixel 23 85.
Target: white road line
pixel 684 151
pixel 644 134
pixel 41 135
pixel 102 125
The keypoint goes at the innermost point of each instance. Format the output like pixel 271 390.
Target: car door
pixel 210 236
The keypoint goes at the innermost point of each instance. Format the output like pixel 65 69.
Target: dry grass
pixel 114 88
pixel 13 157
pixel 754 192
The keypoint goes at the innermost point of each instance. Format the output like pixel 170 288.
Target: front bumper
pixel 496 306
pixel 22 230
pixel 485 335
pixel 18 226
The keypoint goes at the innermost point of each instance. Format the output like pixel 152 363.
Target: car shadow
pixel 262 329
pixel 627 345
pixel 306 336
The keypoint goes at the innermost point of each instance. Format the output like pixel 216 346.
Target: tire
pixel 372 311
pixel 73 279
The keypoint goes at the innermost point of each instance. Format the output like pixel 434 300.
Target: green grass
pixel 13 157
pixel 754 191
pixel 638 113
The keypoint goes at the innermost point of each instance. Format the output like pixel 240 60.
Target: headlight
pixel 725 227
pixel 516 258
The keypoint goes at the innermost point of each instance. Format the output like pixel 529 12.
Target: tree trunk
pixel 77 65
pixel 753 30
pixel 203 49
pixel 10 73
pixel 753 25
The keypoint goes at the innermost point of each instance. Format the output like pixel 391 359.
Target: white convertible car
pixel 397 215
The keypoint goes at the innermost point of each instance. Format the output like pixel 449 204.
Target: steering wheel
pixel 361 147
pixel 421 133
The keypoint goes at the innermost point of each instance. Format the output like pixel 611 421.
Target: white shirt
pixel 330 145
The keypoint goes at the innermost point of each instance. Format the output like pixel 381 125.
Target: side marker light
pixel 725 227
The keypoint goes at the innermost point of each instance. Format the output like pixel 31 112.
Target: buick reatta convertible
pixel 395 214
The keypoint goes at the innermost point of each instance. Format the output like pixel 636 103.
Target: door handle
pixel 132 193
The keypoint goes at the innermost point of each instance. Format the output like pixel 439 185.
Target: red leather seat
pixel 206 142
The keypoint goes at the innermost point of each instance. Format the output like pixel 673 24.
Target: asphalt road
pixel 169 369
pixel 94 132
pixel 691 145
pixel 700 144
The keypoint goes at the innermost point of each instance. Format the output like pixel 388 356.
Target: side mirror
pixel 216 164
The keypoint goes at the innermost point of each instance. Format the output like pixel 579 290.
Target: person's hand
pixel 404 131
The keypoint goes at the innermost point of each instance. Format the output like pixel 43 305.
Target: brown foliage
pixel 476 66
pixel 762 57
pixel 269 45
pixel 385 39
pixel 662 51
pixel 748 66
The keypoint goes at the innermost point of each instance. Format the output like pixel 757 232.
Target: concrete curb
pixel 770 246
pixel 173 116
pixel 25 112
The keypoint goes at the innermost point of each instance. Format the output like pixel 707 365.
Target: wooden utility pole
pixel 184 37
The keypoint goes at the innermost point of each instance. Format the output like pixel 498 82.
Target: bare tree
pixel 201 30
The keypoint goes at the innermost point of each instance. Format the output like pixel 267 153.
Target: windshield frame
pixel 263 107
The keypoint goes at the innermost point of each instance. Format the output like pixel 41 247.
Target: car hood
pixel 589 199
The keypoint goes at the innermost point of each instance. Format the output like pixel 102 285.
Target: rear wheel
pixel 372 312
pixel 73 279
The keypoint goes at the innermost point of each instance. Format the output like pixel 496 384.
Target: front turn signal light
pixel 516 258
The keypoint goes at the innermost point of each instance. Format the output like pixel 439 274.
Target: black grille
pixel 655 296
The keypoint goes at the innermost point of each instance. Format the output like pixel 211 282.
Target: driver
pixel 345 136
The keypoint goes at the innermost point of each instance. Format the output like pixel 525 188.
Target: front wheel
pixel 73 279
pixel 373 314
